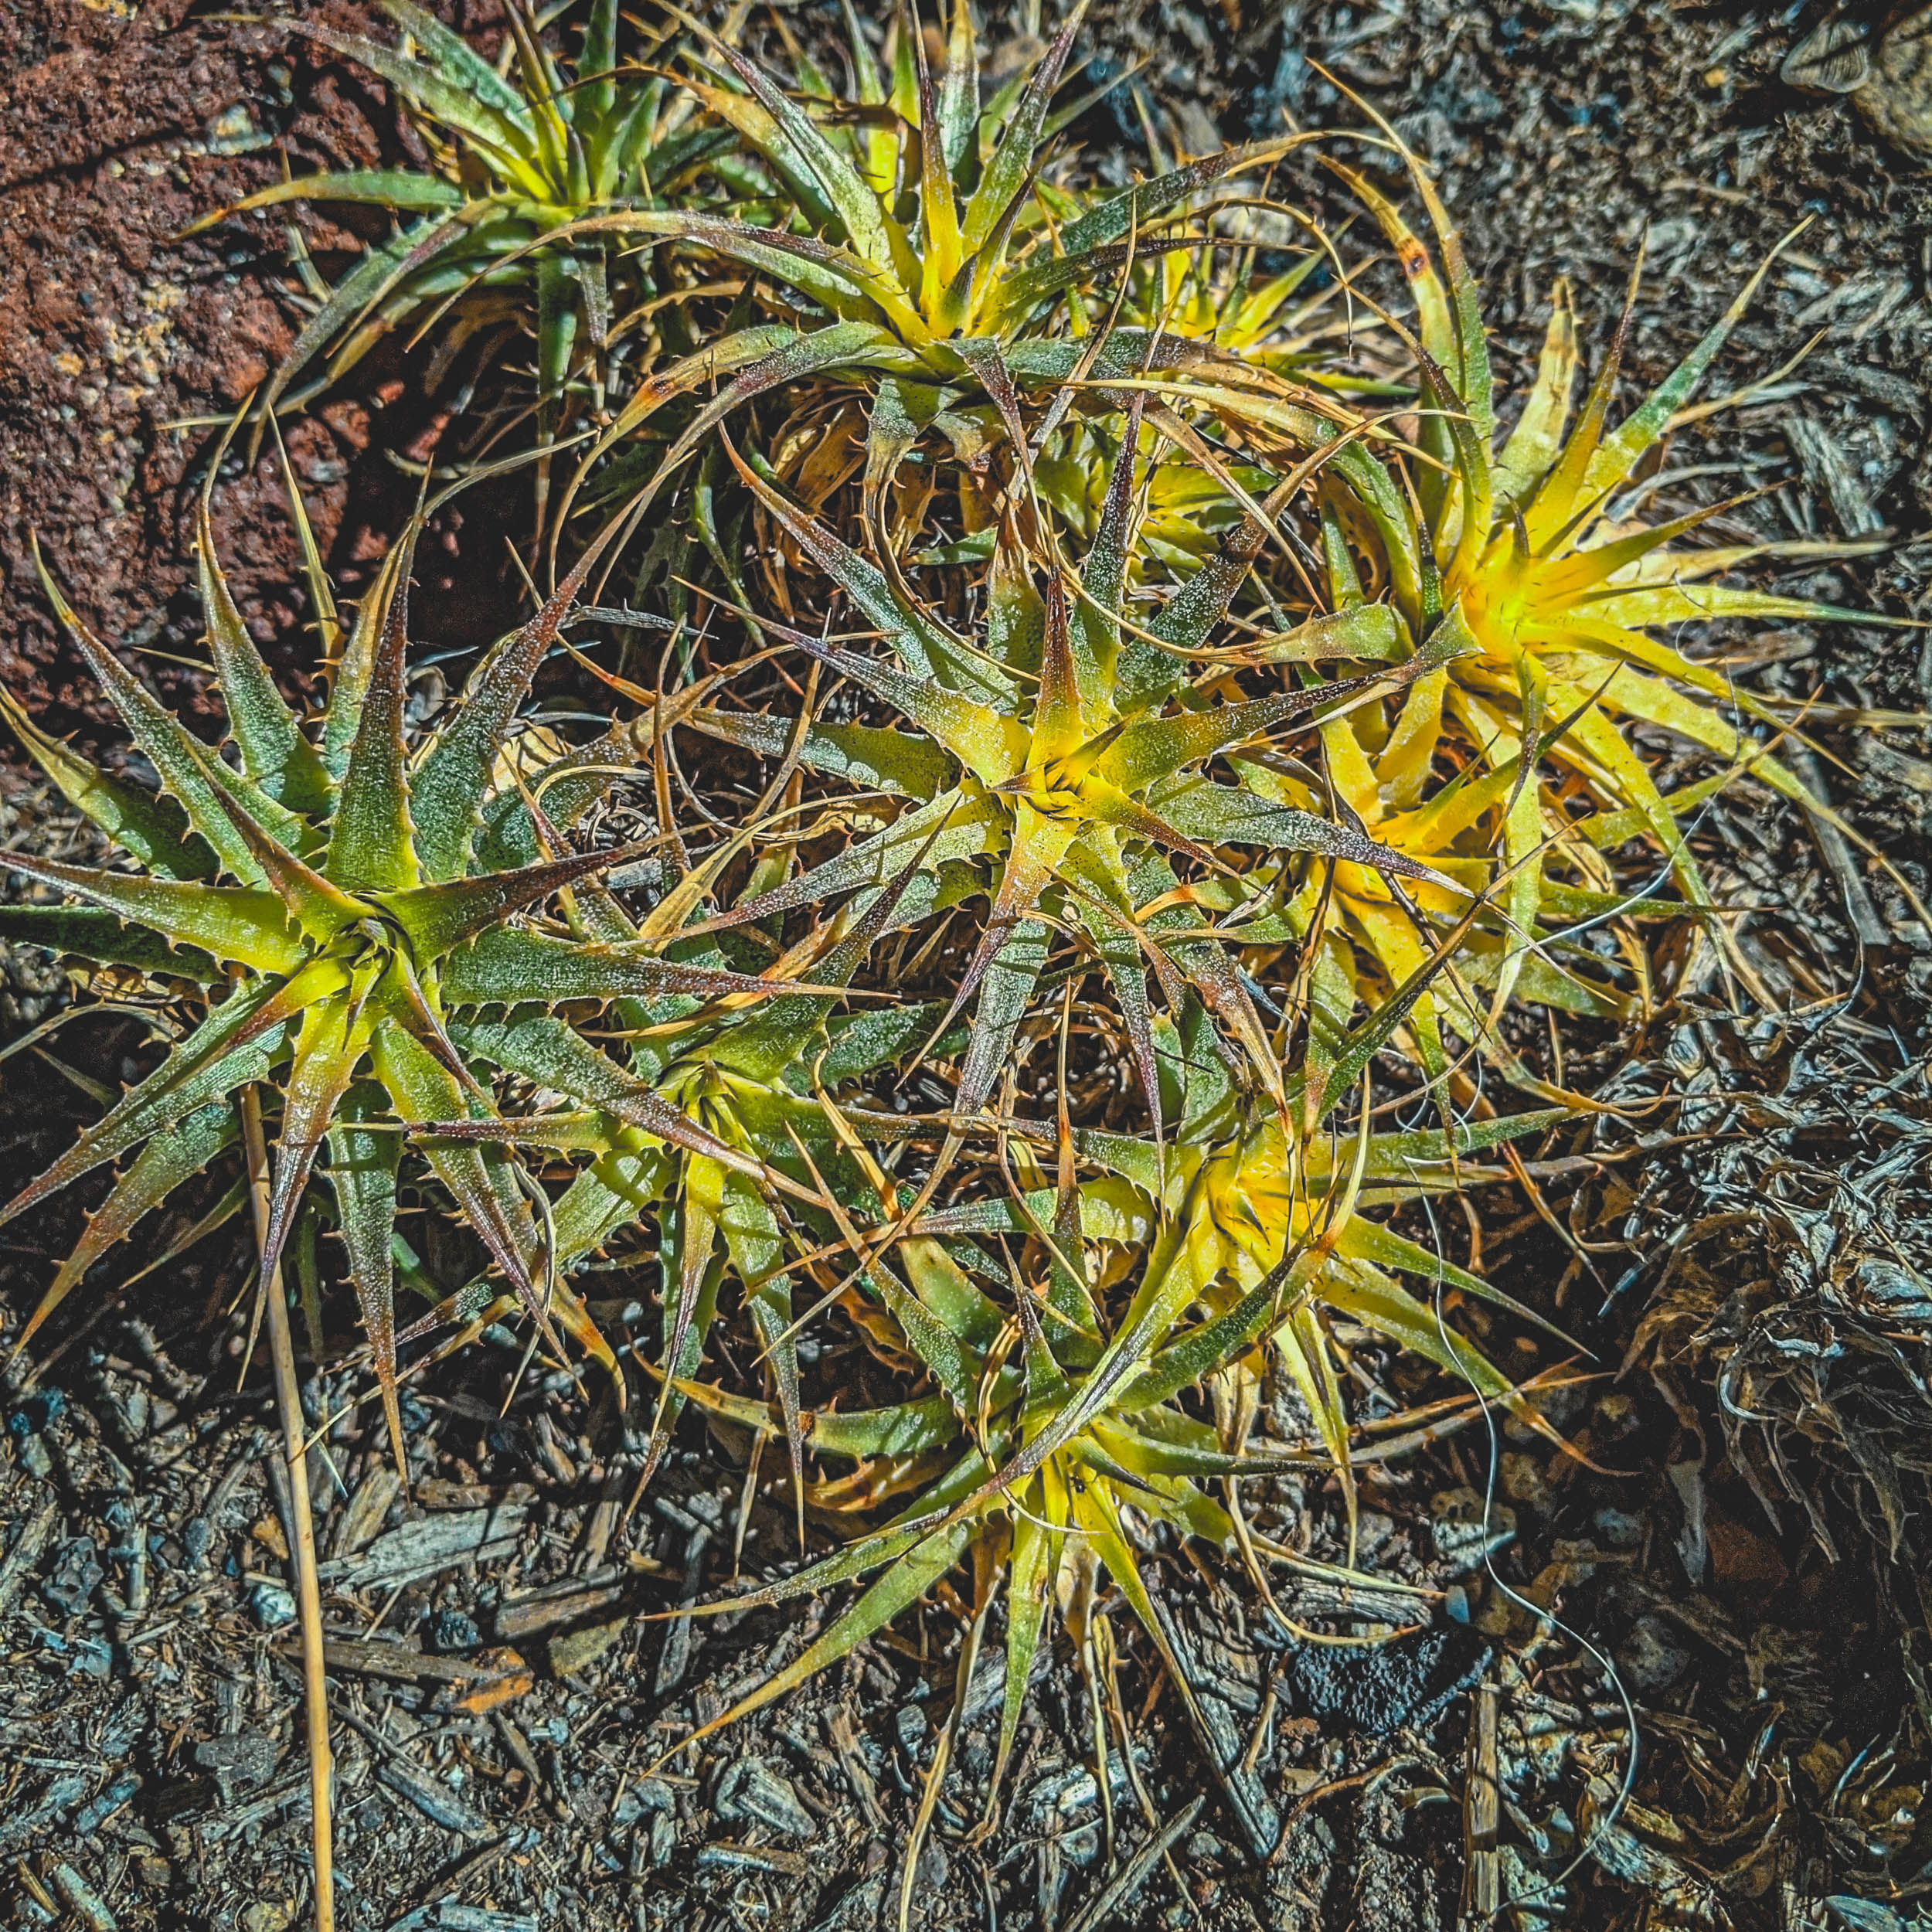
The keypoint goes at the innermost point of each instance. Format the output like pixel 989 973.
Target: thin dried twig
pixel 302 1555
pixel 1481 1814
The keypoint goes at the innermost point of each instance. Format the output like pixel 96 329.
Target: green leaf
pixel 362 1163
pixel 867 1042
pixel 506 966
pixel 950 829
pixel 618 1188
pixel 1022 289
pixel 1221 814
pixel 422 1089
pixel 872 756
pixel 900 1429
pixel 370 844
pixel 397 188
pixel 328 1047
pixel 762 1046
pixel 1132 210
pixel 105 940
pixel 953 1365
pixel 511 147
pixel 857 207
pixel 1105 908
pixel 1034 1564
pixel 198 780
pixel 757 1251
pixel 920 639
pixel 439 918
pixel 1194 1355
pixel 959 91
pixel 163 1165
pixel 274 753
pixel 379 273
pixel 318 909
pixel 907 1580
pixel 447 789
pixel 349 672
pixel 990 746
pixel 553 1054
pixel 1095 631
pixel 1146 671
pixel 1369 630
pixel 850 287
pixel 238 923
pixel 1013 162
pixel 1155 748
pixel 237 1043
pixel 457 62
pixel 1618 456
pixel 1012 970
pixel 154 831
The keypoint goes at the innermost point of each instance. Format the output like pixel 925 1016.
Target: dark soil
pixel 121 348
pixel 1743 1528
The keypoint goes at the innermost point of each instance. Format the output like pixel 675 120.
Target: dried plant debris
pixel 150 1704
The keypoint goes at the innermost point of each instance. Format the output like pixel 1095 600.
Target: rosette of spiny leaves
pixel 1364 935
pixel 915 257
pixel 1528 550
pixel 325 887
pixel 515 155
pixel 1268 284
pixel 1061 1328
pixel 766 1165
pixel 1061 754
pixel 1185 510
pixel 1368 935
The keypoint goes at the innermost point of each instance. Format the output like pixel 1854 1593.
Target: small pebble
pixel 272 1606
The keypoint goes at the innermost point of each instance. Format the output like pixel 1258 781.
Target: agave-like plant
pixel 921 254
pixel 1055 1435
pixel 1063 753
pixel 1369 935
pixel 326 888
pixel 737 1131
pixel 515 156
pixel 1267 283
pixel 1528 549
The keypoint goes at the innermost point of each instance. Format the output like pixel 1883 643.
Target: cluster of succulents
pixel 1179 745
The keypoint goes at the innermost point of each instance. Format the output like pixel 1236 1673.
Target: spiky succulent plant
pixel 1079 773
pixel 920 251
pixel 515 155
pixel 1529 551
pixel 1062 756
pixel 736 1133
pixel 1265 281
pixel 1368 935
pixel 335 890
pixel 1059 1327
